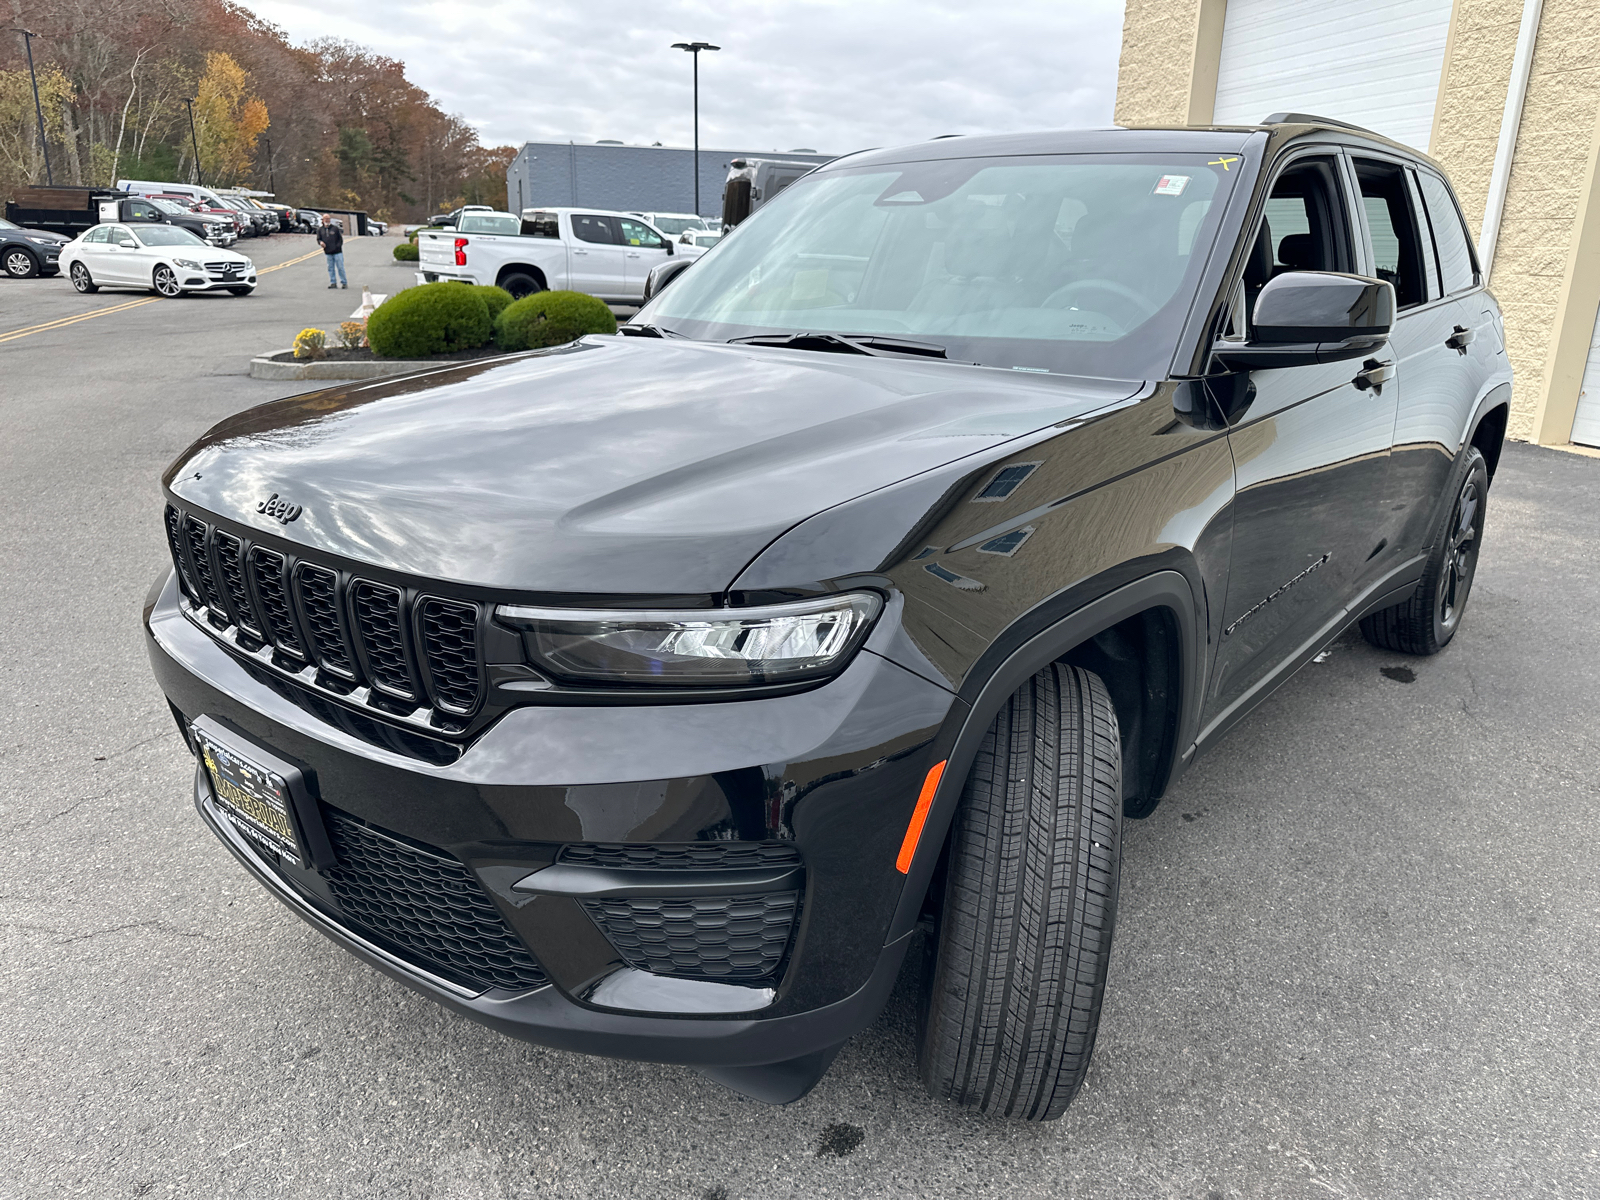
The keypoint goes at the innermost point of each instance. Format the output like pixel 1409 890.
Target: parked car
pixel 70 211
pixel 449 219
pixel 307 220
pixel 25 253
pixel 253 222
pixel 287 218
pixel 376 228
pixel 675 224
pixel 230 220
pixel 647 696
pixel 161 258
pixel 216 231
pixel 606 254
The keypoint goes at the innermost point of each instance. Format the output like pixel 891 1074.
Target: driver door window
pixel 643 250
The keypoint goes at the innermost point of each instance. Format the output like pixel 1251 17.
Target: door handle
pixel 1374 375
pixel 1460 339
pixel 580 252
pixel 633 254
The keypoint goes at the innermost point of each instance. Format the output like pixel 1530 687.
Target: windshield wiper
pixel 874 344
pixel 648 330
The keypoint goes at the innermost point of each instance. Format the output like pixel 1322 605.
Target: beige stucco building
pixel 1505 94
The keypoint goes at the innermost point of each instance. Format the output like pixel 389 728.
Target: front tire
pixel 1016 969
pixel 82 280
pixel 1425 623
pixel 20 264
pixel 166 283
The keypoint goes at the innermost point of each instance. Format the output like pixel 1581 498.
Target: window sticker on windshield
pixel 1171 185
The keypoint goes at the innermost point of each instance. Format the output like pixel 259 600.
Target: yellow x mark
pixel 1222 162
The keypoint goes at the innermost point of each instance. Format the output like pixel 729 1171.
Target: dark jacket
pixel 332 238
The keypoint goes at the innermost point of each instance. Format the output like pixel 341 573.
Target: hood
pixel 50 234
pixel 613 465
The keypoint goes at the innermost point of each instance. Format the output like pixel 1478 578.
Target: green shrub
pixel 496 298
pixel 406 252
pixel 433 318
pixel 551 318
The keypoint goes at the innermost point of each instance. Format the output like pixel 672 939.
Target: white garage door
pixel 1374 63
pixel 1586 425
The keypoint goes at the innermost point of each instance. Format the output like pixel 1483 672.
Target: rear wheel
pixel 166 283
pixel 520 285
pixel 1425 623
pixel 1016 968
pixel 81 279
pixel 20 264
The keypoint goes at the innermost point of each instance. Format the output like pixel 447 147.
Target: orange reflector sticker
pixel 919 818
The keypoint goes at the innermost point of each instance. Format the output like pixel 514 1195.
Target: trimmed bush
pixel 406 252
pixel 433 318
pixel 496 298
pixel 551 318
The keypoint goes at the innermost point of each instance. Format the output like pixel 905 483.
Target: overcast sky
pixel 831 76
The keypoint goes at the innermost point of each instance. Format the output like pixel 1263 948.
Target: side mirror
pixel 1304 317
pixel 664 273
pixel 666 245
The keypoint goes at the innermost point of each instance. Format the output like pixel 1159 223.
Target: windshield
pixel 1082 264
pixel 167 205
pixel 489 223
pixel 167 235
pixel 4 224
pixel 673 226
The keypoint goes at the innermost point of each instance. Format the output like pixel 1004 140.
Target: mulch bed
pixel 365 354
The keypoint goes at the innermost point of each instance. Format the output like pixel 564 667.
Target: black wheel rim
pixel 18 264
pixel 1461 553
pixel 167 282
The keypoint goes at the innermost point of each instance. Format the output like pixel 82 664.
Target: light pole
pixel 272 179
pixel 694 48
pixel 199 177
pixel 44 146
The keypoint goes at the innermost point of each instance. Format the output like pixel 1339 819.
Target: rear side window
pixel 1393 228
pixel 593 228
pixel 1449 234
pixel 541 224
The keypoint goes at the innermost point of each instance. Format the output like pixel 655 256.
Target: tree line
pixel 328 122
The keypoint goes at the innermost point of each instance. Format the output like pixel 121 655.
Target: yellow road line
pixel 63 322
pixel 290 263
pixel 14 334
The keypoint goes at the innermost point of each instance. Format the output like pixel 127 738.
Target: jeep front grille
pixel 399 653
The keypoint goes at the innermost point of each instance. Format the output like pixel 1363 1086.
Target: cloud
pixel 831 76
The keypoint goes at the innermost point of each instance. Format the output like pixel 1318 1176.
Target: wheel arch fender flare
pixel 521 269
pixel 964 730
pixel 1495 397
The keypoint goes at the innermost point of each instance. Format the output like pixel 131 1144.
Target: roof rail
pixel 1294 118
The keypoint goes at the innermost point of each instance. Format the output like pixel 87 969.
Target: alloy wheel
pixel 167 283
pixel 19 264
pixel 1461 553
pixel 80 277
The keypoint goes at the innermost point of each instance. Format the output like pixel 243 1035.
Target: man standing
pixel 332 240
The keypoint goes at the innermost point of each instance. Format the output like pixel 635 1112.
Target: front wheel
pixel 1425 623
pixel 166 283
pixel 20 264
pixel 82 281
pixel 1016 968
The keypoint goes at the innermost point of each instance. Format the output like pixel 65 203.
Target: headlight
pixel 779 643
pixel 187 264
pixel 41 241
pixel 247 265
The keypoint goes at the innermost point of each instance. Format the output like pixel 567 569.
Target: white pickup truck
pixel 605 254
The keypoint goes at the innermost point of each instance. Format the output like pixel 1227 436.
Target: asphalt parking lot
pixel 1357 953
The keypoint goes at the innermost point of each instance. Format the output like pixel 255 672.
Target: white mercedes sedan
pixel 161 258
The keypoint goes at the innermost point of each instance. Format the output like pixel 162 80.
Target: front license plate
pixel 255 798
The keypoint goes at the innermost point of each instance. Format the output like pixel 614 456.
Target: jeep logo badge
pixel 276 506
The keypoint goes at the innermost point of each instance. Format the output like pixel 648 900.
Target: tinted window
pixel 1449 234
pixel 591 228
pixel 1393 229
pixel 1078 263
pixel 540 224
pixel 637 234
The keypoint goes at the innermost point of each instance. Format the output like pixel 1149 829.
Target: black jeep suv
pixel 647 696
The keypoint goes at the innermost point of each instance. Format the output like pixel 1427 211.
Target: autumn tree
pixel 227 120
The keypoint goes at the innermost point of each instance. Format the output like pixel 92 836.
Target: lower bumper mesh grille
pixel 425 904
pixel 737 938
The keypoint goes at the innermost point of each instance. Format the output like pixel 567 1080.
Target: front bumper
pixel 833 772
pixel 205 281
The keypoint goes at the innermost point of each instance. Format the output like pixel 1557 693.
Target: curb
pixel 263 367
